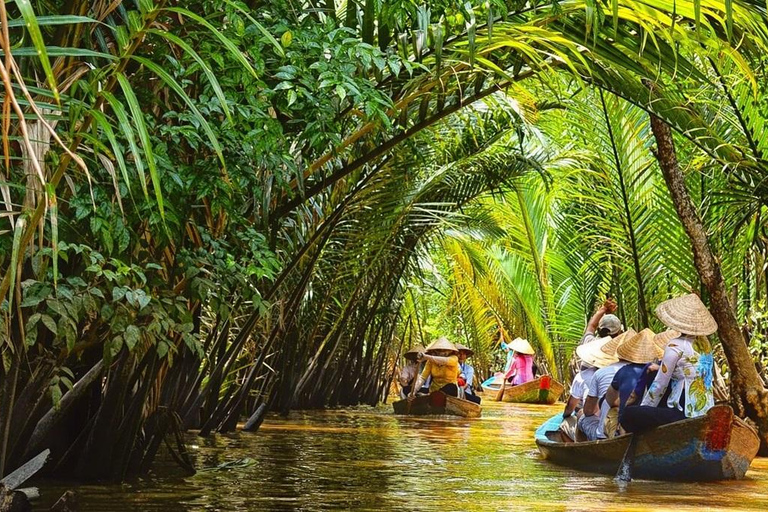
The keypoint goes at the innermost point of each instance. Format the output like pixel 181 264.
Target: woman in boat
pixel 683 387
pixel 407 374
pixel 521 370
pixel 466 374
pixel 442 365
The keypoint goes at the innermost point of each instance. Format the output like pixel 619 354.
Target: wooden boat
pixel 437 403
pixel 543 390
pixel 716 446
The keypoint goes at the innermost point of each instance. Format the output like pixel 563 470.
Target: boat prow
pixel 435 404
pixel 543 390
pixel 716 446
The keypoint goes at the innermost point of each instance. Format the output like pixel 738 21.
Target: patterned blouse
pixel 686 371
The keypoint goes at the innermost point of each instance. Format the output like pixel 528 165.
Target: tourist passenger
pixel 683 387
pixel 640 352
pixel 593 358
pixel 442 365
pixel 603 323
pixel 407 374
pixel 592 421
pixel 521 370
pixel 466 374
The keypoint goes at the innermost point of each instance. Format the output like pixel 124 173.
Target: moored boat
pixel 716 446
pixel 437 403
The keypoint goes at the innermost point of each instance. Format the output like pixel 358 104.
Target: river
pixel 368 459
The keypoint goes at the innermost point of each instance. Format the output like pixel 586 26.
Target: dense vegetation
pixel 213 205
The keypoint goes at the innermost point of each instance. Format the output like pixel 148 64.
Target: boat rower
pixel 442 365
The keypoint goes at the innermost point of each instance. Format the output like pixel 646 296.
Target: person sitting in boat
pixel 466 374
pixel 602 324
pixel 593 359
pixel 408 373
pixel 683 387
pixel 641 353
pixel 442 365
pixel 592 420
pixel 521 370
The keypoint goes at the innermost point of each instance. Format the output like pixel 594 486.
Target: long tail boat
pixel 437 403
pixel 716 446
pixel 543 390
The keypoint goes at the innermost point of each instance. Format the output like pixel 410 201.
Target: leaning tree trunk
pixel 748 395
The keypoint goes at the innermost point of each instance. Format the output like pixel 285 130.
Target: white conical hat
pixel 521 346
pixel 662 338
pixel 688 315
pixel 442 344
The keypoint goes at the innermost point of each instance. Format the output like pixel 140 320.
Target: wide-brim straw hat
pixel 688 315
pixel 640 348
pixel 592 354
pixel 610 348
pixel 521 346
pixel 413 352
pixel 665 337
pixel 442 344
pixel 462 348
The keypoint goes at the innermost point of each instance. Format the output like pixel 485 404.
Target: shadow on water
pixel 369 459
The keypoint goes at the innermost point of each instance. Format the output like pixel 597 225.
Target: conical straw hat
pixel 462 348
pixel 521 346
pixel 442 344
pixel 610 347
pixel 413 352
pixel 688 315
pixel 591 353
pixel 639 349
pixel 663 338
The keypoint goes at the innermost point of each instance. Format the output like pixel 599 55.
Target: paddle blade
pixel 624 474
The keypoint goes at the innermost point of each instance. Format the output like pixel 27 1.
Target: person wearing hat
pixel 521 370
pixel 442 365
pixel 592 355
pixel 466 374
pixel 592 421
pixel 407 374
pixel 641 352
pixel 602 324
pixel 683 387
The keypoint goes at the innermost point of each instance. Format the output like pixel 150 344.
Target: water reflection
pixel 368 459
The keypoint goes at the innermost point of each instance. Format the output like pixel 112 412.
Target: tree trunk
pixel 748 396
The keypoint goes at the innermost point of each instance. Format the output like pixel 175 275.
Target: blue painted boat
pixel 716 446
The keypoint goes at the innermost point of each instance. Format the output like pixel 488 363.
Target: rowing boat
pixel 543 390
pixel 437 403
pixel 716 446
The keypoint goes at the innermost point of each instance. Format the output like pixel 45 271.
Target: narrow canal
pixel 369 459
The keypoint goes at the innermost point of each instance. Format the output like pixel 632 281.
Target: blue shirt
pixel 469 373
pixel 625 381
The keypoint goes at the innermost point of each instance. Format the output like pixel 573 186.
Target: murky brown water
pixel 369 459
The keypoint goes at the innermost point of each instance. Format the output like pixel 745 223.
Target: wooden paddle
pixel 503 387
pixel 624 474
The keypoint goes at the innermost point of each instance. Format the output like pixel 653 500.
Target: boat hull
pixel 717 446
pixel 537 391
pixel 437 403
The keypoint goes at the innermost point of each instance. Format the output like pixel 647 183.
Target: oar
pixel 413 391
pixel 624 474
pixel 500 394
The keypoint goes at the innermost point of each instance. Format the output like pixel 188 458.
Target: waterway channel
pixel 368 459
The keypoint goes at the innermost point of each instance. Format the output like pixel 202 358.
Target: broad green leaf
pixel 101 121
pixel 127 129
pixel 25 7
pixel 63 19
pixel 18 232
pixel 57 51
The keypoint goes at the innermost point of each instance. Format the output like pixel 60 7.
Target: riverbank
pixel 368 459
